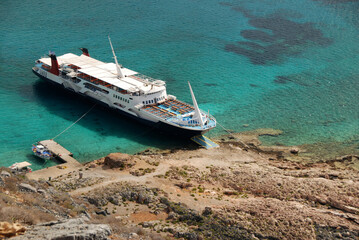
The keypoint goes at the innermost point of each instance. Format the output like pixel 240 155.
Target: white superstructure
pixel 120 88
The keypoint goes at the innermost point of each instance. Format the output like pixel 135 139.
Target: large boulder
pixel 26 187
pixel 119 160
pixel 66 230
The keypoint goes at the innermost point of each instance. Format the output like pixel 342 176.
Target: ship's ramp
pixel 204 141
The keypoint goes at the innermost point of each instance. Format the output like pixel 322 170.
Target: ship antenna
pixel 196 108
pixel 118 68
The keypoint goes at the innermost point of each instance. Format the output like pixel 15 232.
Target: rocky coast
pixel 241 190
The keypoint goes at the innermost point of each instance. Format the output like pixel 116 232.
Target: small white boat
pixel 41 151
pixel 21 167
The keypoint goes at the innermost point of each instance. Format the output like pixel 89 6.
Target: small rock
pixel 42 191
pixel 254 237
pixel 114 200
pixel 294 151
pixel 184 185
pixel 103 212
pixel 207 211
pixel 98 202
pixel 338 235
pixel 92 165
pixel 161 206
pixel 150 224
pixel 133 235
pixel 26 187
pixel 172 215
pixel 5 174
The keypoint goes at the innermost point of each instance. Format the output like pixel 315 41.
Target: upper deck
pixel 92 69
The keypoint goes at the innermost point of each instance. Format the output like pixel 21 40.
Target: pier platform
pixel 69 163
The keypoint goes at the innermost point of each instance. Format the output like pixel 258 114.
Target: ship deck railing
pixel 178 106
pixel 143 78
pixel 211 123
pixel 169 109
pixel 159 112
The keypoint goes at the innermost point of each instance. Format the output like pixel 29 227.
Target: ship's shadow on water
pixel 102 120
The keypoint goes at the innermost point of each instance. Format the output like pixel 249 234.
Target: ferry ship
pixel 131 93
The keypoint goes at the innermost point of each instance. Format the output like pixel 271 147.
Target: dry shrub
pixel 76 210
pixel 11 184
pixel 61 197
pixel 34 200
pixel 27 216
pixel 64 200
pixel 5 200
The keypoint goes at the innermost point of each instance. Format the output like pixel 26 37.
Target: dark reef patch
pixel 282 79
pixel 257 35
pixel 302 79
pixel 275 37
pixel 287 13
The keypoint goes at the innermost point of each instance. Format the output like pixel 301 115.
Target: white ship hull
pixel 142 100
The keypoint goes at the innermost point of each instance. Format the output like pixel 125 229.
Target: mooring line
pixel 229 132
pixel 74 122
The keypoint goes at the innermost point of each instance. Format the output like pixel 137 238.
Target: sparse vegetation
pixel 253 196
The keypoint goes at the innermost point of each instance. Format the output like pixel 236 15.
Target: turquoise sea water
pixel 288 64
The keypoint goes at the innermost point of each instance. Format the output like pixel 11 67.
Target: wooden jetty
pixel 69 163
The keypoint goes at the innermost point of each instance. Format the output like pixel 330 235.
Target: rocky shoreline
pixel 241 190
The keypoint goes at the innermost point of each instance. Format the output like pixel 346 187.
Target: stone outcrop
pixel 26 187
pixel 119 160
pixel 116 194
pixel 67 229
pixel 10 229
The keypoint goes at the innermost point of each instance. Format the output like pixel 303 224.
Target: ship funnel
pixel 197 114
pixel 54 64
pixel 85 51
